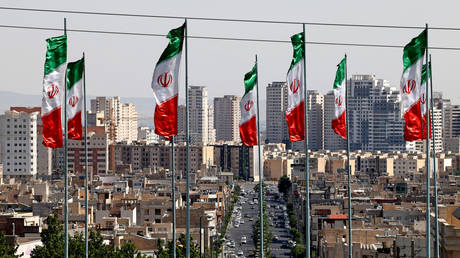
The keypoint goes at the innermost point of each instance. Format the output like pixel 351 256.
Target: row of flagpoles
pixel 65 82
pixel 68 79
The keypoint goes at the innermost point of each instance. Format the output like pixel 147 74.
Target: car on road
pixel 240 253
pixel 243 240
pixel 251 219
pixel 231 244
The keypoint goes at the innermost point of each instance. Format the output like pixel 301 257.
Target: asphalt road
pixel 248 211
pixel 278 247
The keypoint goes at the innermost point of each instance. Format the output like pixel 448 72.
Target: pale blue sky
pixel 123 65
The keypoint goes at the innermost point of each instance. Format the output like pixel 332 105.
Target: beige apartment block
pixel 275 168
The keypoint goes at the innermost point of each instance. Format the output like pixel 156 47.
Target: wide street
pixel 243 220
pixel 277 217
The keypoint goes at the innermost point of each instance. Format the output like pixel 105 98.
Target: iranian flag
pixel 53 88
pixel 295 113
pixel 413 56
pixel 248 123
pixel 339 122
pixel 165 84
pixel 424 98
pixel 75 97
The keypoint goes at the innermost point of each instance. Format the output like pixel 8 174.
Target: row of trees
pixel 267 237
pixel 53 244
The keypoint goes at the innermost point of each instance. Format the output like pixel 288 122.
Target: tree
pixel 128 250
pixel 53 244
pixel 284 184
pixel 52 239
pixel 180 249
pixel 7 250
pixel 298 251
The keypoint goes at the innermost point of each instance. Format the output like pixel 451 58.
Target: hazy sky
pixel 123 65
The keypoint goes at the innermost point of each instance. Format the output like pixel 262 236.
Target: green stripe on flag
pixel 56 53
pixel 340 75
pixel 176 40
pixel 423 79
pixel 299 48
pixel 250 79
pixel 415 49
pixel 75 72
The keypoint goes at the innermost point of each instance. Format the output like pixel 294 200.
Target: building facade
pixel 228 116
pixel 332 141
pixel 120 119
pixel 374 115
pixel 315 120
pixel 18 141
pixel 277 101
pixel 156 156
pixel 98 151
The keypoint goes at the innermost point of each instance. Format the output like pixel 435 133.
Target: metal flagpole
pixel 86 160
pixel 261 178
pixel 66 180
pixel 173 195
pixel 435 179
pixel 350 239
pixel 428 222
pixel 307 172
pixel 187 136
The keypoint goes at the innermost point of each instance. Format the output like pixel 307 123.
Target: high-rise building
pixel 315 120
pixel 227 114
pixel 181 123
pixel 198 114
pixel 95 119
pixel 18 141
pixel 375 117
pixel 315 123
pixel 332 141
pixel 211 129
pixel 127 123
pixel 120 119
pixel 199 117
pixel 437 119
pixel 147 135
pixel 277 98
pixel 452 121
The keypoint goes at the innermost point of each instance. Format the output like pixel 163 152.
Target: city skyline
pixel 110 54
pixel 324 167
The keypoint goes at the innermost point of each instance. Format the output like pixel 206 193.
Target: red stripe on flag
pixel 74 130
pixel 165 118
pixel 296 123
pixel 340 125
pixel 52 129
pixel 248 132
pixel 413 125
pixel 424 127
